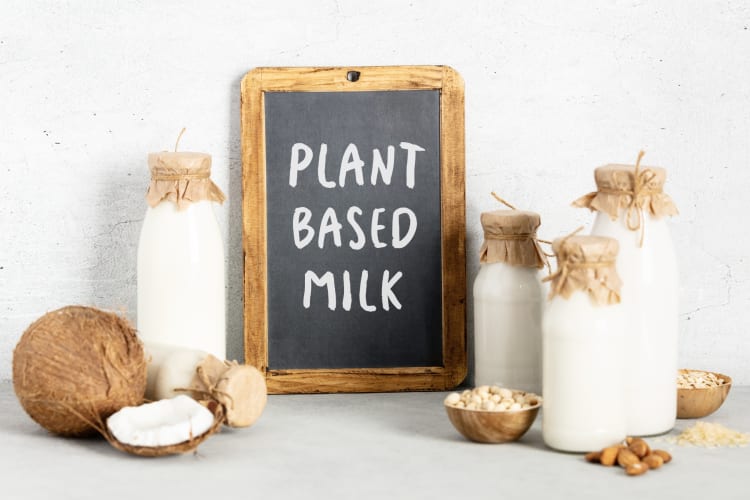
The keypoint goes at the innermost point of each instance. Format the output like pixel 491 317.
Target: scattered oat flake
pixel 710 435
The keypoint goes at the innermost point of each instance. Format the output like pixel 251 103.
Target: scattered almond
pixel 663 454
pixel 626 458
pixel 653 461
pixel 636 469
pixel 639 447
pixel 634 455
pixel 609 455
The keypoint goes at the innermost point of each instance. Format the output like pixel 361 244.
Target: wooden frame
pixel 451 88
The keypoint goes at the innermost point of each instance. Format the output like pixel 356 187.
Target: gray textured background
pixel 552 91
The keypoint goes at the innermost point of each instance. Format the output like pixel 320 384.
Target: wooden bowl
pixel 697 403
pixel 485 426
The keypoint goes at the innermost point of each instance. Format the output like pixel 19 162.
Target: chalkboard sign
pixel 353 219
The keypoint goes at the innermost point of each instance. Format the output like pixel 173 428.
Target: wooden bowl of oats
pixel 700 393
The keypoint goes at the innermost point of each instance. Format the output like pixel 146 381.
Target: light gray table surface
pixel 356 446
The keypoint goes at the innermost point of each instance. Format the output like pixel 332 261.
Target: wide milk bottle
pixel 508 302
pixel 181 291
pixel 631 207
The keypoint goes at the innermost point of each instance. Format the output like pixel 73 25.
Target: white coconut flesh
pixel 162 423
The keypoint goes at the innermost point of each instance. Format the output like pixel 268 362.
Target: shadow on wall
pixel 235 255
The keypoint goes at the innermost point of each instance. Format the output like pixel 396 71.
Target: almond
pixel 609 455
pixel 625 457
pixel 653 461
pixel 639 447
pixel 636 469
pixel 663 454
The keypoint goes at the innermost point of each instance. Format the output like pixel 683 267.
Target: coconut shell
pixel 174 449
pixel 75 366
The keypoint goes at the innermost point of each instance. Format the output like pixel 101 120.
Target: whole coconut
pixel 75 366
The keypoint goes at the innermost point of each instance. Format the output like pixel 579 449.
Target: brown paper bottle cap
pixel 586 264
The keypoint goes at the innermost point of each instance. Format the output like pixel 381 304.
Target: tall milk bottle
pixel 631 206
pixel 583 342
pixel 181 292
pixel 508 302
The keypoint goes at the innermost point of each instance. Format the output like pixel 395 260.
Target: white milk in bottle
pixel 508 302
pixel 181 292
pixel 631 207
pixel 583 348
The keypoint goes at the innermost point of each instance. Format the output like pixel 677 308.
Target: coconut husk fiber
pixel 77 365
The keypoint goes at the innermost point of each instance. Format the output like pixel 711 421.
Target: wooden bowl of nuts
pixel 700 393
pixel 491 414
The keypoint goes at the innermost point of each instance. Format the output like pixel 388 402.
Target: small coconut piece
pixel 240 389
pixel 165 427
pixel 74 367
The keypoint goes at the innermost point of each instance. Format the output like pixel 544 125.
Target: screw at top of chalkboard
pixel 352 76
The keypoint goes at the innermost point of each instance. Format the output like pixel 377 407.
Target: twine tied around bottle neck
pixel 586 264
pixel 180 177
pixel 518 227
pixel 561 275
pixel 209 388
pixel 563 269
pixel 634 217
pixel 183 178
pixel 630 194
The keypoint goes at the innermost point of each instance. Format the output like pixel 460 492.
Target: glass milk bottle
pixel 508 302
pixel 181 293
pixel 630 206
pixel 583 344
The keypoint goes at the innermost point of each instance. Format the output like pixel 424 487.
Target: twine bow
pixel 562 273
pixel 210 391
pixel 562 270
pixel 634 217
pixel 602 285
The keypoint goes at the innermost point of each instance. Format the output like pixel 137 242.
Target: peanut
pixel 594 457
pixel 609 455
pixel 663 454
pixel 626 458
pixel 636 469
pixel 653 461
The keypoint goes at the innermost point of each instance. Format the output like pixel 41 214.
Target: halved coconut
pixel 166 427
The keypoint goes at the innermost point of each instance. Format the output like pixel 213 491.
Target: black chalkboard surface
pixel 346 231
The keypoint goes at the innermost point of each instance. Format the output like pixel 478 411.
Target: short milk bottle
pixel 181 292
pixel 631 207
pixel 508 302
pixel 583 348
